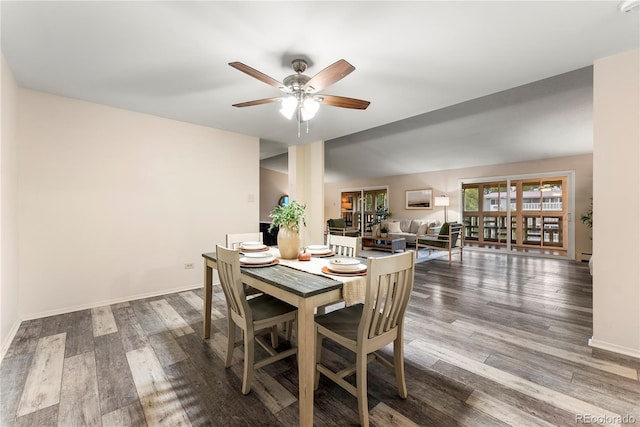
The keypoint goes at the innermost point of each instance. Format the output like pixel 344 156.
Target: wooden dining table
pixel 302 289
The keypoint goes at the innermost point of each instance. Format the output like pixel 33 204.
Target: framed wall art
pixel 419 199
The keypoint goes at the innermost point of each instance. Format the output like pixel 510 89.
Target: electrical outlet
pixel 188 265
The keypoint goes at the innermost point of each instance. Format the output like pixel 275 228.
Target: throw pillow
pixel 415 224
pixel 422 230
pixel 394 227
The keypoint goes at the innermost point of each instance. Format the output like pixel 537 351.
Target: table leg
pixel 306 360
pixel 206 311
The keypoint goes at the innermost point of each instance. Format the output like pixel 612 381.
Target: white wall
pixel 9 294
pixel 113 203
pixel 616 203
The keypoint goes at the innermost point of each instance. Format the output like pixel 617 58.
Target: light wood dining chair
pixel 233 242
pixel 234 239
pixel 366 328
pixel 251 316
pixel 344 245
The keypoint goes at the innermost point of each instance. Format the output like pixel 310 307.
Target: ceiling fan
pixel 301 91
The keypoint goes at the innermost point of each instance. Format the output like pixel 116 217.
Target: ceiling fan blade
pixel 257 75
pixel 334 72
pixel 257 102
pixel 341 101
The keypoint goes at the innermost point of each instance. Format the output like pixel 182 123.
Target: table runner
pixel 352 288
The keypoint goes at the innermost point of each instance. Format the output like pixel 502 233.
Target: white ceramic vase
pixel 288 243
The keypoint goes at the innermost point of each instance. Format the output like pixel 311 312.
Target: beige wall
pixel 9 291
pixel 113 203
pixel 616 200
pixel 273 185
pixel 447 182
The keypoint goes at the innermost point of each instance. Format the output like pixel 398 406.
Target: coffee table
pixel 384 243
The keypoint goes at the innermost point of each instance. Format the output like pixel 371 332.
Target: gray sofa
pixel 406 228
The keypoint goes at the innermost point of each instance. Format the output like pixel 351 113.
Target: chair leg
pixel 398 363
pixel 247 376
pixel 231 342
pixel 318 358
pixel 361 388
pixel 288 328
pixel 274 336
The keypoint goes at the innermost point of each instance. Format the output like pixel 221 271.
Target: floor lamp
pixel 442 201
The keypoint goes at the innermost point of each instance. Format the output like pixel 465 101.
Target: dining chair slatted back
pixel 234 239
pixel 366 328
pixel 344 245
pixel 251 316
pixel 229 273
pixel 387 296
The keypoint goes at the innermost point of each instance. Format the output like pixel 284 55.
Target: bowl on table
pixel 318 249
pixel 257 258
pixel 346 265
pixel 252 246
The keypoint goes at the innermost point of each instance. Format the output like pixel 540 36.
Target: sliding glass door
pixel 358 206
pixel 517 213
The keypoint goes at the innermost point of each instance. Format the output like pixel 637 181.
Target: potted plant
pixel 383 231
pixel 382 213
pixel 587 218
pixel 289 218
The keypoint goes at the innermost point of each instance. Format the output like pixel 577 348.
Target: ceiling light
pixel 628 5
pixel 289 106
pixel 309 108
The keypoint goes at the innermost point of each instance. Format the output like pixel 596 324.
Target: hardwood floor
pixel 496 340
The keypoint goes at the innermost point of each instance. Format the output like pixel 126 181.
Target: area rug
pixel 423 256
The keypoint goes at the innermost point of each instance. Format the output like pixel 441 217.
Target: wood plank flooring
pixel 497 340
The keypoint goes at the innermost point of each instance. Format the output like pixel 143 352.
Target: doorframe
pixel 571 195
pixel 361 200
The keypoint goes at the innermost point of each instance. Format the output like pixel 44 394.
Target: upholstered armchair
pixel 450 238
pixel 338 226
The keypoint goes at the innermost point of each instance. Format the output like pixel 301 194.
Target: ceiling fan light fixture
pixel 309 108
pixel 301 97
pixel 289 106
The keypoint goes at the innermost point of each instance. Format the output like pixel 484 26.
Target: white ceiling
pixel 420 61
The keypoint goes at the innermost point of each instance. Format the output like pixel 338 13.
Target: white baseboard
pixel 9 339
pixel 633 352
pixel 111 301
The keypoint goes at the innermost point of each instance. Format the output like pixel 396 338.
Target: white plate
pixel 319 251
pixel 261 255
pixel 252 245
pixel 318 247
pixel 344 261
pixel 263 260
pixel 347 268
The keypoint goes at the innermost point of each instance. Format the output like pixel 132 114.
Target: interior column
pixel 616 203
pixel 306 185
